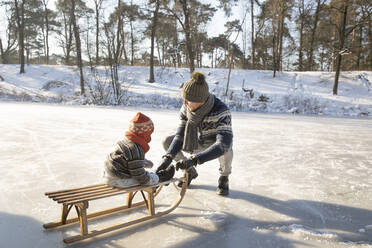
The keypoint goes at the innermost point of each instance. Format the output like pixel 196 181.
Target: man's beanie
pixel 141 124
pixel 196 89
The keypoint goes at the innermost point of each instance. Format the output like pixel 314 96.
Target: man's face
pixel 192 106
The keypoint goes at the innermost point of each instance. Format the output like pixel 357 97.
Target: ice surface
pixel 297 181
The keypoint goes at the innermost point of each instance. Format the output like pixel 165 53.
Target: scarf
pixel 142 141
pixel 190 142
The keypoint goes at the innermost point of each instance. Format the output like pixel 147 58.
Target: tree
pixel 183 11
pixel 253 44
pixel 231 27
pixel 301 10
pixel 134 13
pixel 46 38
pixel 97 8
pixel 310 60
pixel 78 46
pixel 280 10
pixel 66 31
pixel 114 46
pixel 19 11
pixel 340 9
pixel 48 25
pixel 153 32
pixel 10 40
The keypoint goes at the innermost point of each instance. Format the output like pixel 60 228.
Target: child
pixel 126 165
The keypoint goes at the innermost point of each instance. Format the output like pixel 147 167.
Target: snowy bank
pixel 307 93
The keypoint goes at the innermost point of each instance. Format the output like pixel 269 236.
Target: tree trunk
pixel 281 34
pixel 359 48
pixel 2 52
pixel 68 38
pixel 46 17
pixel 21 40
pixel 160 59
pixel 301 9
pixel 117 51
pixel 88 49
pixel 98 4
pixel 212 58
pixel 341 46
pixel 78 47
pixel 153 32
pixel 312 39
pixel 253 56
pixel 187 31
pixel 369 55
pixel 274 48
pixel 131 43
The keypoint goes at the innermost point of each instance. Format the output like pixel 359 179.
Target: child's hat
pixel 141 124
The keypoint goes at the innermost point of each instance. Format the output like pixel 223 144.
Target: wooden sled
pixel 80 198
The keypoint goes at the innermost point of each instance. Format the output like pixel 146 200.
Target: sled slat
pixel 80 198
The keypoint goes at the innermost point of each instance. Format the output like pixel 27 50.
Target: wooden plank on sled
pixel 80 198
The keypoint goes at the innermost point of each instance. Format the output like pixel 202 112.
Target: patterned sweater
pixel 127 161
pixel 214 131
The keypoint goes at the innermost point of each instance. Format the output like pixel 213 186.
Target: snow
pixel 297 180
pixel 290 92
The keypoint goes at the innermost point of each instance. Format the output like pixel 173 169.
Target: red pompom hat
pixel 140 130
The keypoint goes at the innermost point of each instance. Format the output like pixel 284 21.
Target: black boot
pixel 167 174
pixel 223 185
pixel 192 175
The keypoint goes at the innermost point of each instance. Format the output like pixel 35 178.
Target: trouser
pixel 225 159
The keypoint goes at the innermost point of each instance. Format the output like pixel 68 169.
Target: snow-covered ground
pixel 289 92
pixel 297 181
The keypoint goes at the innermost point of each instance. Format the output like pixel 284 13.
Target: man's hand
pixel 186 163
pixel 167 160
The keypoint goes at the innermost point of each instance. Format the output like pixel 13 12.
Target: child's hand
pixel 167 160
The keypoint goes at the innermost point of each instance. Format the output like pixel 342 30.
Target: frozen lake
pixel 297 181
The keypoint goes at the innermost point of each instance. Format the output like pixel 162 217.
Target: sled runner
pixel 80 198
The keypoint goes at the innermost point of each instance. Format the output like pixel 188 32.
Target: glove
pixel 167 160
pixel 186 163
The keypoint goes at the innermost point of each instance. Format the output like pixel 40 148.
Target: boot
pixel 192 175
pixel 167 174
pixel 223 185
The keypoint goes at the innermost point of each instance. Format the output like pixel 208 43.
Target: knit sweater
pixel 214 131
pixel 127 161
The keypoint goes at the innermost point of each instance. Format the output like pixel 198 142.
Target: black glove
pixel 186 163
pixel 167 160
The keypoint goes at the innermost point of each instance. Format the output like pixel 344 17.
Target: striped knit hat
pixel 141 125
pixel 196 89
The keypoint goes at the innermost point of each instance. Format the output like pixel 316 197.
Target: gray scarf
pixel 190 142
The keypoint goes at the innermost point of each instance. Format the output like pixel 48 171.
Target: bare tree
pixel 78 46
pixel 253 45
pixel 11 39
pixel 310 61
pixel 98 7
pixel 186 27
pixel 301 10
pixel 20 16
pixel 153 32
pixel 46 32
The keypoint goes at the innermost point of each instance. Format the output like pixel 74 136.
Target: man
pixel 205 132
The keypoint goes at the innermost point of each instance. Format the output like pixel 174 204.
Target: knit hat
pixel 140 130
pixel 141 125
pixel 196 89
